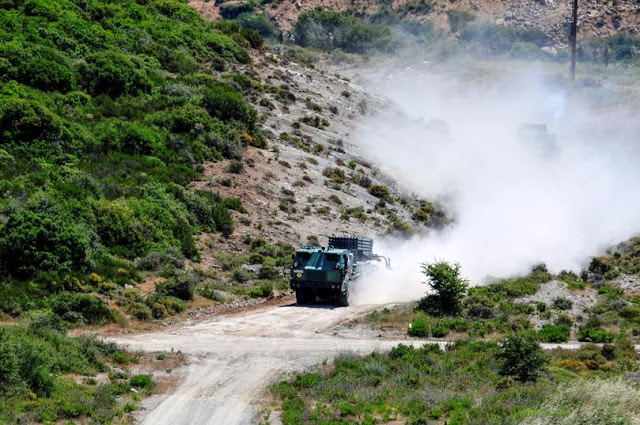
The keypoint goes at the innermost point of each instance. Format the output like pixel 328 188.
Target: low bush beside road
pixel 470 382
pixel 49 377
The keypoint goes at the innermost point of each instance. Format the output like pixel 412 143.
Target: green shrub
pixel 562 303
pixel 600 265
pixel 260 23
pixel 140 311
pixel 117 73
pixel 164 306
pixel 380 191
pixel 479 306
pixel 141 381
pixel 327 30
pixel 563 320
pixel 595 335
pixel 265 290
pixel 450 289
pixel 424 213
pixel 42 241
pixel 554 333
pixel 521 357
pixel 630 312
pixel 439 332
pixel 335 174
pixel 80 308
pixel 241 275
pixel 224 102
pixel 48 75
pixel 182 286
pixel 419 328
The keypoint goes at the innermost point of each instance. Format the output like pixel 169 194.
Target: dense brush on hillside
pixel 107 110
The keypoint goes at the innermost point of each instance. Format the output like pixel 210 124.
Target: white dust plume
pixel 516 200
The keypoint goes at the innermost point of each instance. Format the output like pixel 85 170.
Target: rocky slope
pixel 596 18
pixel 311 183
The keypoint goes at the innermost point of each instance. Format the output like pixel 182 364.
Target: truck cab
pixel 321 272
pixel 328 272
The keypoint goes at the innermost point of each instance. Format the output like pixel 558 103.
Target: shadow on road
pixel 319 306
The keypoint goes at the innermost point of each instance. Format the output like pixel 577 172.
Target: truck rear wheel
pixel 343 299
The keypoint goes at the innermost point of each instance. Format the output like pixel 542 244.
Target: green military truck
pixel 327 272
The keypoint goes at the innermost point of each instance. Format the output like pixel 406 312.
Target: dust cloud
pixel 516 201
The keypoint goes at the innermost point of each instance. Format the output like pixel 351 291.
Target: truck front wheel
pixel 301 296
pixel 343 299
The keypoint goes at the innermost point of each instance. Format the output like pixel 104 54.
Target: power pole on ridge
pixel 573 37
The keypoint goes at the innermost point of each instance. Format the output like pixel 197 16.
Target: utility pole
pixel 573 38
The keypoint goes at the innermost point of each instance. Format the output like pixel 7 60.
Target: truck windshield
pixel 301 260
pixel 330 261
pixel 316 260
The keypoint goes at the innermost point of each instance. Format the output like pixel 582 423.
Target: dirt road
pixel 234 358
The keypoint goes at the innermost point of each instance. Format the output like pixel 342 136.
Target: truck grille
pixel 316 275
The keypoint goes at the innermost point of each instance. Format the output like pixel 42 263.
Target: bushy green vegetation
pixel 506 40
pixel 520 356
pixel 448 287
pixel 554 333
pixel 107 110
pixel 478 311
pixel 37 362
pixel 256 273
pixel 623 46
pixel 328 30
pixel 590 334
pixel 467 383
pixel 623 259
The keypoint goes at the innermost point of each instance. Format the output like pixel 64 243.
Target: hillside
pixel 597 18
pixel 146 149
pixel 158 169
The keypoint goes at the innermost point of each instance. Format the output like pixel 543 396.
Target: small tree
pixel 444 279
pixel 521 356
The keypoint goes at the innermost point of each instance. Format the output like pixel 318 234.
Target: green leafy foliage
pixel 521 357
pixel 506 40
pixel 418 328
pixel 624 259
pixel 42 241
pixel 328 30
pixel 444 279
pixel 260 23
pixel 80 308
pixel 594 335
pixel 461 384
pixel 554 333
pixel 107 112
pixel 562 303
pixel 34 360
